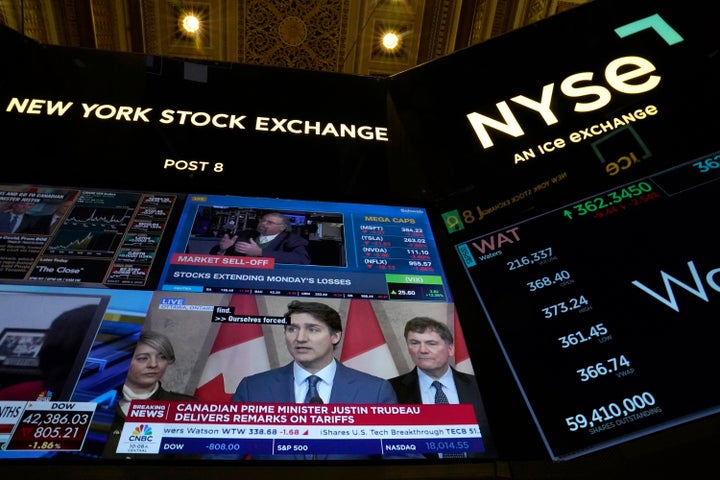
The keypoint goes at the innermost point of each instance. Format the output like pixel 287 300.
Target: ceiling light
pixel 390 40
pixel 190 23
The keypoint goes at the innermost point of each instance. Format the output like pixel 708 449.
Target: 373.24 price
pixel 578 303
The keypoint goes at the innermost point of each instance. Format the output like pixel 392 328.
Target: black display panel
pixel 190 125
pixel 565 195
pixel 575 193
pixel 607 296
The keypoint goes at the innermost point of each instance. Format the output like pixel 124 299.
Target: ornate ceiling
pixel 323 35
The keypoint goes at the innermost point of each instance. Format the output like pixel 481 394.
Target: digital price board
pixel 52 426
pixel 611 303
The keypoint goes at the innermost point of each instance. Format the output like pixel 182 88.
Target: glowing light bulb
pixel 390 40
pixel 191 23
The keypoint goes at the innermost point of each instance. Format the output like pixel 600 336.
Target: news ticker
pixel 347 285
pixel 155 427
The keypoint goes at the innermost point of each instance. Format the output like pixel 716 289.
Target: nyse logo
pixel 628 75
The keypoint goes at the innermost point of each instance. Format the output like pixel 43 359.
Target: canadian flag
pixel 462 359
pixel 239 350
pixel 364 347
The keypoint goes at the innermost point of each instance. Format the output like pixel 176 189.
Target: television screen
pixel 343 250
pixel 238 335
pixel 64 403
pixel 44 340
pixel 82 236
pixel 221 316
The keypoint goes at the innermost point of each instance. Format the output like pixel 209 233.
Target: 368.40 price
pixel 559 278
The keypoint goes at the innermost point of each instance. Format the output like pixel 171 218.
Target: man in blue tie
pixel 313 332
pixel 431 347
pixel 15 219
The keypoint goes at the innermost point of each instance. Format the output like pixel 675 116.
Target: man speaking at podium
pixel 313 332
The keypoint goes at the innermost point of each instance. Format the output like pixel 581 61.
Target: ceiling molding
pixel 323 35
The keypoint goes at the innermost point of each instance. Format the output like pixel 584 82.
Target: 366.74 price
pixel 620 365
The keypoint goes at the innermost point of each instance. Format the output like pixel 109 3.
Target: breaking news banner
pixel 157 427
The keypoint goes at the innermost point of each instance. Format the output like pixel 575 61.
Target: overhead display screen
pixel 576 201
pixel 341 250
pixel 238 335
pixel 234 268
pixel 552 227
pixel 613 307
pixel 66 352
pixel 65 235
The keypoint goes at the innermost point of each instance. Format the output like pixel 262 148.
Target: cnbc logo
pixel 141 433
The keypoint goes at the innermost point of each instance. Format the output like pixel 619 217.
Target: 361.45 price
pixel 599 331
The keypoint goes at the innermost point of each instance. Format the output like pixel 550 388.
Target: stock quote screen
pixel 581 216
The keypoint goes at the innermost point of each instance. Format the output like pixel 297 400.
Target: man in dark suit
pixel 431 345
pixel 46 224
pixel 273 238
pixel 313 332
pixel 15 218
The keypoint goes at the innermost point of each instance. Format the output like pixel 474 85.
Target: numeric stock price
pixel 576 338
pixel 576 303
pixel 634 407
pixel 604 368
pixel 539 257
pixel 559 278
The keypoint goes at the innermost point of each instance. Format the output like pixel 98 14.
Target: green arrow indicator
pixel 655 22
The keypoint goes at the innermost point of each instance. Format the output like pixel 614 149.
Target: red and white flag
pixel 462 359
pixel 239 350
pixel 364 347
